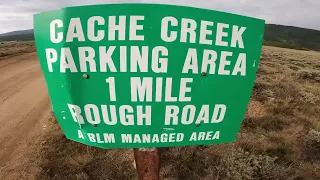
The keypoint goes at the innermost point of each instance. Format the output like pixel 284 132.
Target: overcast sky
pixel 17 14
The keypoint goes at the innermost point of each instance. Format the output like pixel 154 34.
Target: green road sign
pixel 147 75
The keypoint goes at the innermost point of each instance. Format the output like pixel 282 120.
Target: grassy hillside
pixel 292 37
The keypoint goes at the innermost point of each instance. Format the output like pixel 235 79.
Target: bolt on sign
pixel 148 75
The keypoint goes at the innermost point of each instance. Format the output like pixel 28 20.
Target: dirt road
pixel 24 107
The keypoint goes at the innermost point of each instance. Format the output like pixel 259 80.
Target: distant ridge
pixel 292 37
pixel 275 35
pixel 22 35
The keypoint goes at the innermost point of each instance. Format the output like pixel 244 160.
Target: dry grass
pixel 279 138
pixel 60 159
pixel 8 49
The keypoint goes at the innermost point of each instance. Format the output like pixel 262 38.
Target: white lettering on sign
pixel 236 37
pixel 171 115
pixel 112 89
pixel 168 92
pixel 139 60
pixel 209 59
pixel 184 89
pixel 93 34
pixel 134 27
pixel 128 115
pixel 240 65
pixel 87 55
pixel 203 117
pixel 218 113
pixel 163 62
pixel 106 61
pixel 75 31
pixel 152 138
pixel 104 138
pixel 165 34
pixel 159 65
pixel 123 59
pixel 67 61
pixel 224 62
pixel 221 34
pixel 76 113
pixel 105 115
pixel 142 89
pixel 144 117
pixel 190 115
pixel 191 62
pixel 204 136
pixel 56 37
pixel 116 29
pixel 204 32
pixel 92 114
pixel 189 28
pixel 148 138
pixel 159 89
pixel 80 134
pixel 119 27
pixel 52 57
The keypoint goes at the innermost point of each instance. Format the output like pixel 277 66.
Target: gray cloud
pixel 17 14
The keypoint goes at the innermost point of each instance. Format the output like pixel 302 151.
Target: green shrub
pixel 241 165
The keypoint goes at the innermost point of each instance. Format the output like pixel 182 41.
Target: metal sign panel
pixel 147 75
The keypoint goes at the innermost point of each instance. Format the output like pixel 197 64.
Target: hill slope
pixel 275 35
pixel 292 37
pixel 15 33
pixel 23 35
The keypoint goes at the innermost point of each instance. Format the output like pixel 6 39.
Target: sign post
pixel 147 163
pixel 148 75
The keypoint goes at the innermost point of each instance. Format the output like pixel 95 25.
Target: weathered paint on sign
pixel 146 75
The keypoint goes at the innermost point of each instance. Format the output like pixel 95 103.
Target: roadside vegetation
pixel 279 138
pixel 14 48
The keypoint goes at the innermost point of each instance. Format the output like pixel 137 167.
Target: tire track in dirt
pixel 17 59
pixel 16 83
pixel 24 107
